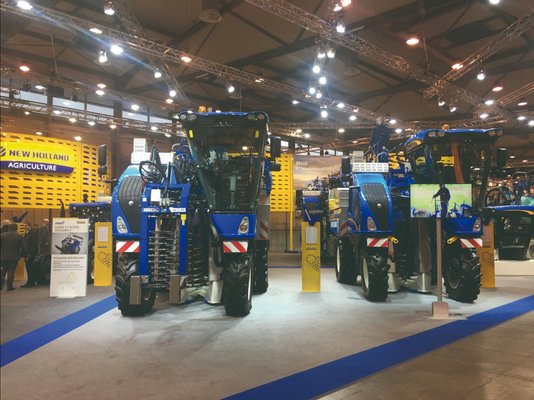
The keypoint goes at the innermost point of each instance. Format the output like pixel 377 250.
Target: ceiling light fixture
pixel 412 41
pixel 307 135
pixel 331 53
pixel 157 73
pixel 312 90
pixel 116 49
pixel 531 122
pixel 441 102
pixel 186 59
pixel 345 3
pixel 169 101
pixel 134 107
pixel 102 56
pixel 321 53
pixel 398 130
pixel 481 75
pixel 352 118
pixel 316 68
pixel 341 130
pixel 101 85
pixel 39 87
pixel 340 105
pixel 318 95
pixel 340 28
pixel 484 115
pixel 230 87
pixel 522 102
pixel 172 93
pixel 322 80
pixel 494 2
pixel 72 120
pixel 38 133
pixel 24 67
pixel 259 79
pixel 295 102
pixel 108 8
pixel 78 138
pixel 96 31
pixel 337 7
pixel 24 5
pixel 100 92
pixel 521 118
pixel 26 112
pixel 457 66
pixel 393 121
pixel 56 112
pixel 324 113
pixel 489 102
pixel 113 126
pixel 91 123
pixel 498 87
pixel 167 135
pixel 452 108
pixel 154 128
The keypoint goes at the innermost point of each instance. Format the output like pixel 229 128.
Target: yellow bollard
pixel 487 257
pixel 311 256
pixel 103 248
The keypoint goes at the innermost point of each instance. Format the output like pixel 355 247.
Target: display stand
pixel 311 257
pixel 440 308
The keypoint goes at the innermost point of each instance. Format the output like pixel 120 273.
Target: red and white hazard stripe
pixel 235 247
pixel 127 247
pixel 471 243
pixel 344 229
pixel 263 230
pixel 377 242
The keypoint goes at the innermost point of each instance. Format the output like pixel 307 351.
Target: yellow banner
pixel 37 157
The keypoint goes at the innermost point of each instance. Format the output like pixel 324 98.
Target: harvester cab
pixel 194 222
pixel 456 156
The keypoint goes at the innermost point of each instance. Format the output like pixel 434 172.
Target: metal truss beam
pixel 516 94
pixel 176 56
pixel 132 25
pixel 313 23
pixel 516 29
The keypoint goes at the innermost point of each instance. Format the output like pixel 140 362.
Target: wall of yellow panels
pixel 25 189
pixel 282 192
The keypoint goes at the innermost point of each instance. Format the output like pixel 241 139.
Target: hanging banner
pixel 37 157
pixel 68 277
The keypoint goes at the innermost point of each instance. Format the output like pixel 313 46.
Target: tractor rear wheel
pixel 346 268
pixel 237 285
pixel 261 272
pixel 461 274
pixel 125 270
pixel 374 264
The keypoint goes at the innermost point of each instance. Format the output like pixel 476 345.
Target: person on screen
pixel 444 197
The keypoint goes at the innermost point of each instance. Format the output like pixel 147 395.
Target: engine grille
pixel 375 193
pixel 131 189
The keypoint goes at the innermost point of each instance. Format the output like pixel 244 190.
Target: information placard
pixel 68 276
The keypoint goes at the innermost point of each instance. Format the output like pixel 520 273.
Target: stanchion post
pixel 440 309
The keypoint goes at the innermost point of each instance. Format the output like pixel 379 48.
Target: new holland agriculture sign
pixel 36 157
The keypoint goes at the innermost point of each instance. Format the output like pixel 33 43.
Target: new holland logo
pixel 2 151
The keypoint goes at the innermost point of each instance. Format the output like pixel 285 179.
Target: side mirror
pixel 276 147
pixel 102 159
pixel 299 198
pixel 275 167
pixel 345 166
pixel 154 156
pixel 501 158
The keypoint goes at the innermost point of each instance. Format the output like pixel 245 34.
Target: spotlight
pixel 512 156
pixel 102 57
pixel 78 138
pixel 489 102
pixel 116 49
pixel 307 135
pixel 134 107
pixel 484 115
pixel 321 53
pixel 331 53
pixel 39 87
pixel 100 92
pixel 322 80
pixel 186 59
pixel 24 5
pixel 172 93
pixel 494 2
pixel 452 108
pixel 531 122
pixel 167 135
pixel 337 7
pixel 312 90
pixel 298 130
pixel 457 66
pixel 398 130
pixel 316 68
pixel 169 101
pixel 352 118
pixel 91 123
pixel 108 8
pixel 318 95
pixel 345 3
pixel 72 120
pixel 340 28
pixel 154 128
pixel 521 118
pixel 481 75
pixel 38 133
pixel 412 41
pixel 340 105
pixel 498 87
pixel 441 102
pixel 230 87
pixel 157 73
pixel 101 85
pixel 392 121
pixel 341 130
pixel 324 113
pixel 26 112
pixel 259 79
pixel 295 102
pixel 96 31
pixel 522 102
pixel 24 67
pixel 113 126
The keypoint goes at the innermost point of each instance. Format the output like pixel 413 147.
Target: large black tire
pixel 122 290
pixel 461 273
pixel 261 272
pixel 237 285
pixel 374 270
pixel 346 266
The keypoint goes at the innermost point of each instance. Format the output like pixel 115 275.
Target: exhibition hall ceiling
pixel 272 47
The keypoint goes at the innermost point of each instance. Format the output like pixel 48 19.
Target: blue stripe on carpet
pixel 22 345
pixel 334 375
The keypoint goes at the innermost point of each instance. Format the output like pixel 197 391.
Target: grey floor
pixel 197 352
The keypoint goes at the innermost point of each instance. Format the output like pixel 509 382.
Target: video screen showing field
pixel 445 201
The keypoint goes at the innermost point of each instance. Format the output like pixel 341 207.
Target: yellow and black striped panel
pixel 282 192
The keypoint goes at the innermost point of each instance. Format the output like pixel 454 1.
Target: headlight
pixel 243 226
pixel 507 224
pixel 432 134
pixel 252 117
pixel 477 225
pixel 192 117
pixel 261 117
pixel 121 226
pixel 371 226
pixel 491 133
pixel 441 134
pixel 183 117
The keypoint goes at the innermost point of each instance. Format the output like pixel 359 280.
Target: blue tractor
pixel 194 222
pixel 361 222
pixel 437 156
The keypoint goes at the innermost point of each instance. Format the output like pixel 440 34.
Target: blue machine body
pixel 117 210
pixel 227 225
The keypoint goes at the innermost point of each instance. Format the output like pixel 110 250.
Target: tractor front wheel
pixel 261 272
pixel 375 268
pixel 125 270
pixel 237 285
pixel 461 274
pixel 346 268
